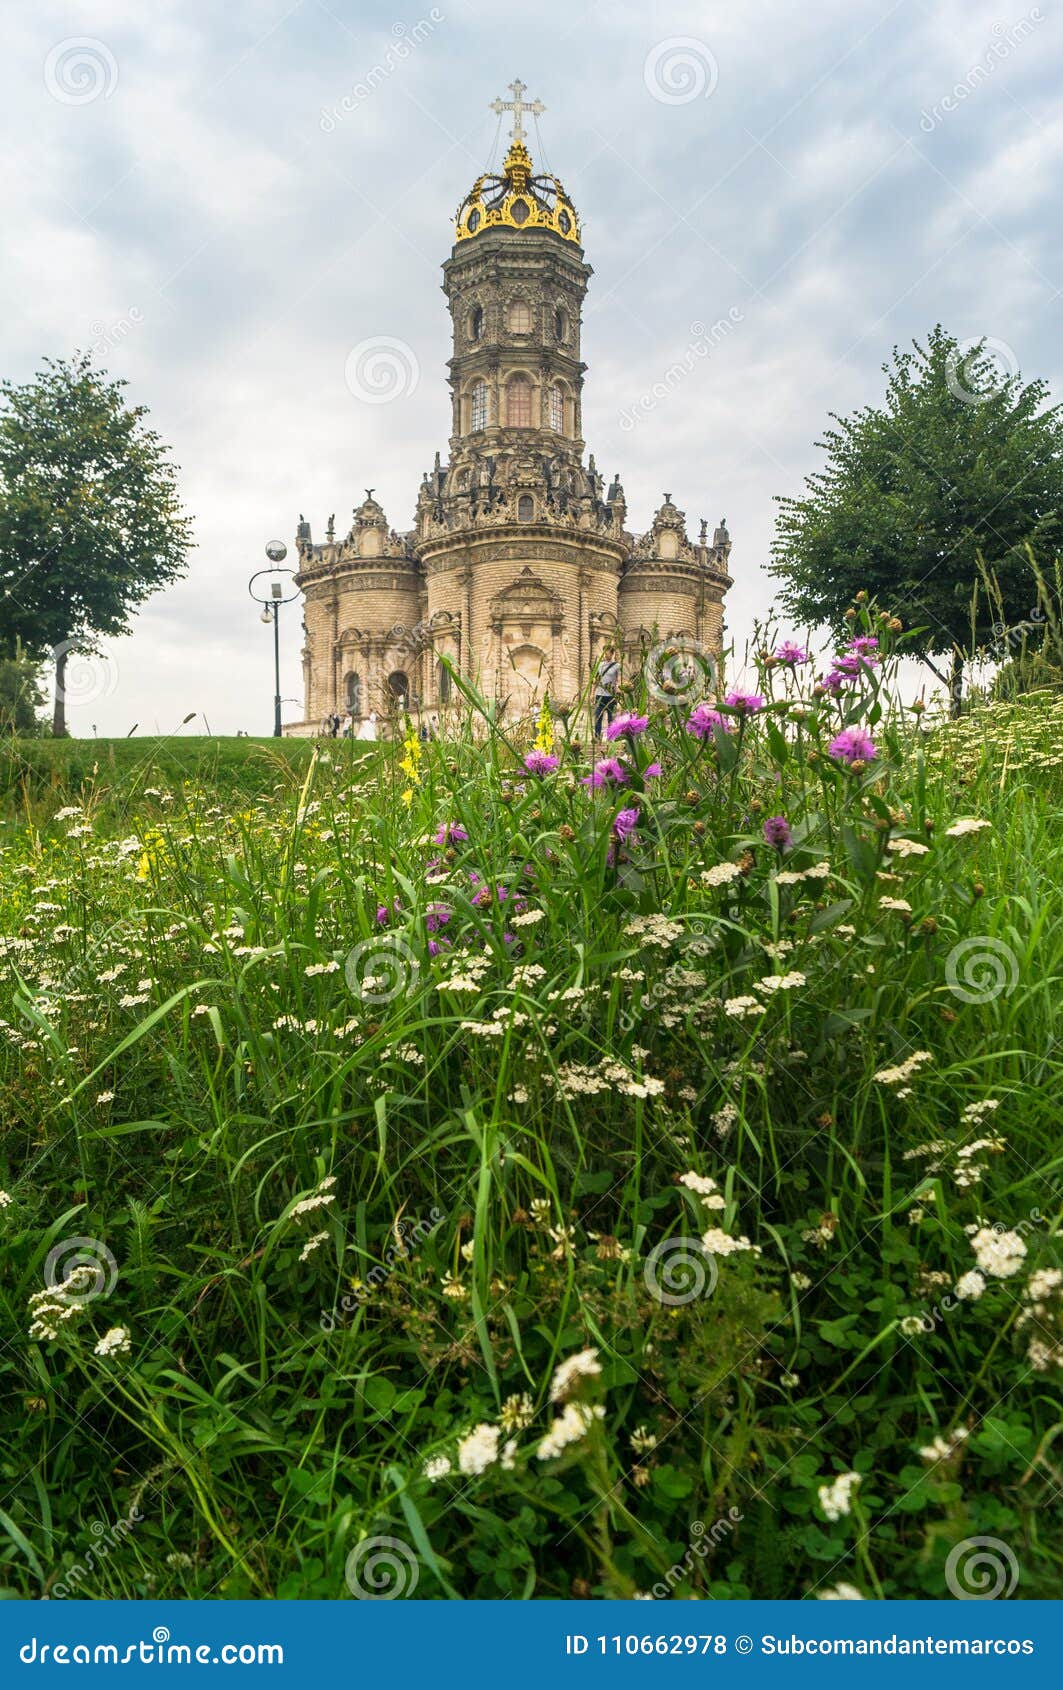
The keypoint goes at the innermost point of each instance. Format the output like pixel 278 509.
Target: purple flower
pixel 748 703
pixel 791 652
pixel 853 745
pixel 834 682
pixel 541 762
pixel 451 833
pixel 624 824
pixel 436 916
pixel 627 726
pixel 863 644
pixel 383 915
pixel 651 771
pixel 777 832
pixel 605 773
pixel 703 720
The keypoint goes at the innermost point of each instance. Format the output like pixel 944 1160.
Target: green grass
pixel 208 1025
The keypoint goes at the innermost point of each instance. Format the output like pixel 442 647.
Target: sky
pixel 230 201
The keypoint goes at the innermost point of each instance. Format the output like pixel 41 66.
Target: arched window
pixel 443 680
pixel 560 326
pixel 518 403
pixel 399 686
pixel 476 323
pixel 352 689
pixel 557 410
pixel 520 317
pixel 478 407
pixel 525 508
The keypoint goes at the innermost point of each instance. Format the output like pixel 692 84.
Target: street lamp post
pixel 276 551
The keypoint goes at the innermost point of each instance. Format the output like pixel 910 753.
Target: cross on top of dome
pixel 517 106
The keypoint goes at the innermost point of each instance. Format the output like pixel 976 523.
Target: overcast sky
pixel 228 200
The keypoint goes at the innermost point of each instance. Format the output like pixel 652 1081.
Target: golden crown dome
pixel 518 199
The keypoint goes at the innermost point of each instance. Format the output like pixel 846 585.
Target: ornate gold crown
pixel 516 200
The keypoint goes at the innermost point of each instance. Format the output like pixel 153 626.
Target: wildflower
pixel 624 823
pixel 904 1070
pixel 570 1373
pixel 790 652
pixel 544 730
pixel 516 1412
pixel 572 1424
pixel 740 1007
pixel 746 703
pixel 721 874
pixel 782 982
pixel 969 1287
pixel 999 1254
pixel 105 1097
pixel 627 726
pixel 898 906
pixel 330 967
pixel 113 1343
pixel 700 1183
pixel 643 1441
pixel 840 1592
pixel 719 1243
pixel 907 848
pixel 853 746
pixel 453 1288
pixel 312 1244
pixel 911 1326
pixel 941 1449
pixel 5 1199
pixel 703 722
pixel 451 833
pixel 800 1281
pixel 541 762
pixel 436 1467
pixel 836 1499
pixel 965 825
pixel 479 1450
pixel 777 832
pixel 606 772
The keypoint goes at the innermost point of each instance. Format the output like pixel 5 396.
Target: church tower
pixel 520 570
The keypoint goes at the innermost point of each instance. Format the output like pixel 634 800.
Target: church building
pixel 520 569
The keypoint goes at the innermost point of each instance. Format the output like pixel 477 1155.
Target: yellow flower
pixel 410 761
pixel 544 733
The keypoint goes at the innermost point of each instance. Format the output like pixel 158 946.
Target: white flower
pixel 969 1287
pixel 904 1070
pixel 836 1499
pixel 321 968
pixel 528 918
pixel 907 848
pixel 721 874
pixel 436 1467
pixel 899 906
pixel 743 1006
pixel 573 1423
pixel 479 1450
pixel 940 1449
pixel 719 1243
pixel 114 1342
pixel 583 1365
pixel 911 1325
pixel 840 1593
pixel 781 982
pixel 5 1199
pixel 999 1254
pixel 966 824
pixel 105 1097
pixel 312 1244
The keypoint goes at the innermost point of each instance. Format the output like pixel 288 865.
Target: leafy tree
pixel 958 471
pixel 20 695
pixel 90 521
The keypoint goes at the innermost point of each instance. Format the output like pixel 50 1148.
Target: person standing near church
pixel 605 688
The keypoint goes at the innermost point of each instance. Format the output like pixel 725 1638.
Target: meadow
pixel 512 1167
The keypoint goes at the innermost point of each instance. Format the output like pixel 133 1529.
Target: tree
pixel 20 695
pixel 959 469
pixel 90 521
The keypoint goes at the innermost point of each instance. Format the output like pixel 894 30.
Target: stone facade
pixel 520 570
